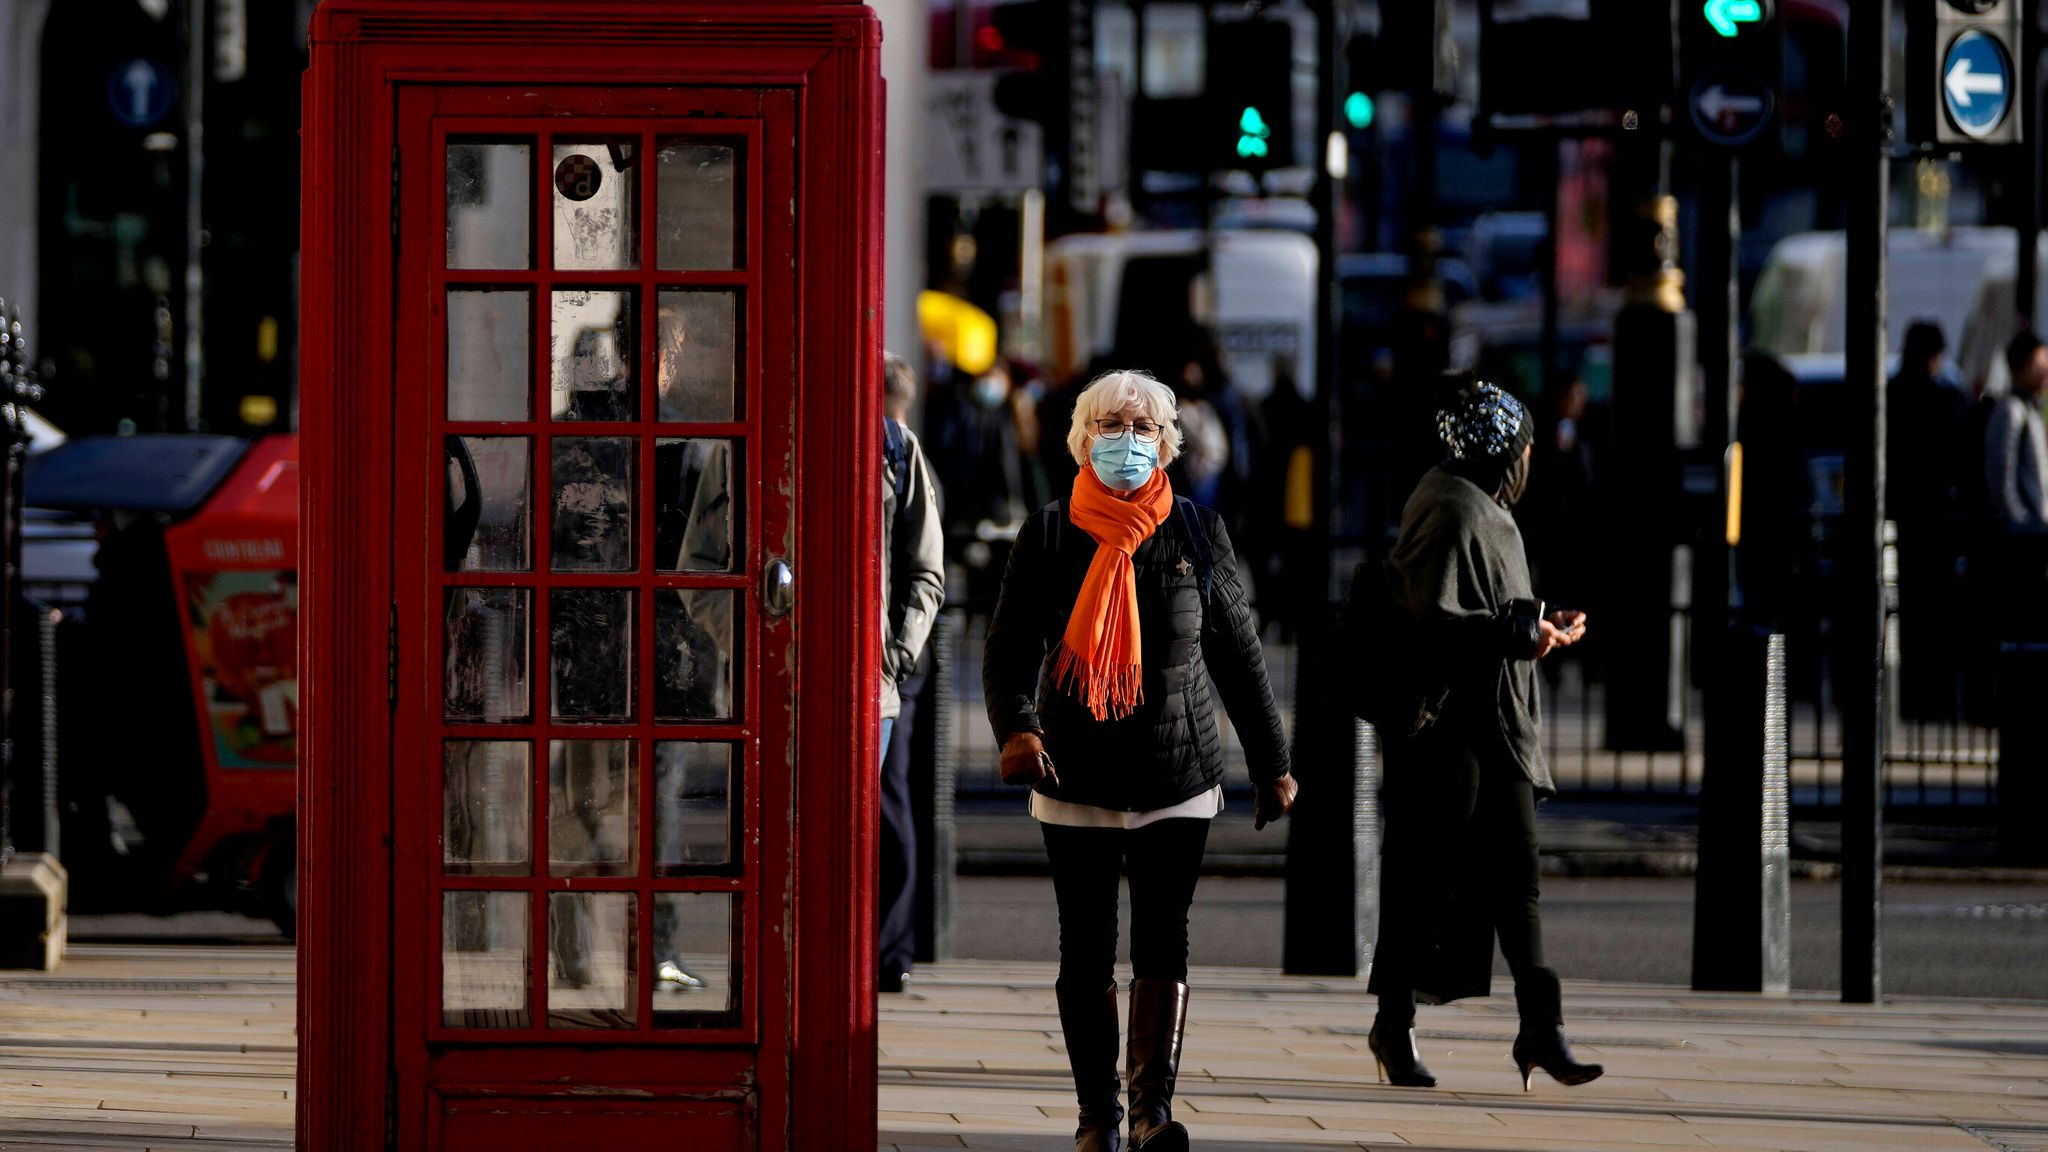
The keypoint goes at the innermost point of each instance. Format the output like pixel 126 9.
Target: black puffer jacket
pixel 1169 750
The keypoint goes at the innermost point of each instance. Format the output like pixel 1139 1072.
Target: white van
pixel 1258 295
pixel 1961 279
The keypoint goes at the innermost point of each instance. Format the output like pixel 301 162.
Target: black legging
pixel 1459 819
pixel 1163 859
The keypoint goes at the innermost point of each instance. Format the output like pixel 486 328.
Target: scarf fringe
pixel 1109 694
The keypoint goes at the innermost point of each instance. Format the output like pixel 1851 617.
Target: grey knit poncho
pixel 1459 566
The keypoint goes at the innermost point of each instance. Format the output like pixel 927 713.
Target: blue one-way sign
pixel 139 92
pixel 1976 83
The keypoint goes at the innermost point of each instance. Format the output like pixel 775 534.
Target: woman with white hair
pixel 1122 621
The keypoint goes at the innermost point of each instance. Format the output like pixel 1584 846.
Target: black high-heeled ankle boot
pixel 1089 1021
pixel 1398 1058
pixel 1546 1049
pixel 1159 1019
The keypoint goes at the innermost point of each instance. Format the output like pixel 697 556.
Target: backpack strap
pixel 896 454
pixel 1191 523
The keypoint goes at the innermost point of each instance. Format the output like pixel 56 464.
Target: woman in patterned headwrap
pixel 1459 861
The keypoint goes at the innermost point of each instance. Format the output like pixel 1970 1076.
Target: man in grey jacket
pixel 2015 442
pixel 913 587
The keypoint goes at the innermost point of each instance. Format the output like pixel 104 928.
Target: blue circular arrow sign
pixel 1976 83
pixel 1731 106
pixel 139 92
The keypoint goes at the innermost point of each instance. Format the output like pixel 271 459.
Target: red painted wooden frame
pixel 363 53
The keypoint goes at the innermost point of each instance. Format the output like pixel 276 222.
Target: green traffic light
pixel 1728 16
pixel 1358 109
pixel 1253 132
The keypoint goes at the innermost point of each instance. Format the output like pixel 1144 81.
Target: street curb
pixel 1582 865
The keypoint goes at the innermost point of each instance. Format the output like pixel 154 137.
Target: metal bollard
pixel 1333 835
pixel 46 642
pixel 2022 752
pixel 935 778
pixel 1776 848
pixel 1366 830
pixel 1742 908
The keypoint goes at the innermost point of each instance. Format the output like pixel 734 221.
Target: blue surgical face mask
pixel 1123 464
pixel 989 391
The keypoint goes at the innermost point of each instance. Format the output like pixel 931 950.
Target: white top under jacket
pixel 1066 813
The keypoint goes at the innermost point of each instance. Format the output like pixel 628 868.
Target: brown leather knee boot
pixel 1159 1019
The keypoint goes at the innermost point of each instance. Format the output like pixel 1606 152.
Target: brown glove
pixel 1025 762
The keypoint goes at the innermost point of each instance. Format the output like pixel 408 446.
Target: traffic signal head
pixel 1031 36
pixel 1727 17
pixel 1359 110
pixel 1614 58
pixel 1250 100
pixel 1418 54
pixel 1362 79
pixel 1966 72
pixel 1027 33
pixel 1730 70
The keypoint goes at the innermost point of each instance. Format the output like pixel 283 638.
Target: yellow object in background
pixel 1735 494
pixel 964 333
pixel 1298 510
pixel 259 411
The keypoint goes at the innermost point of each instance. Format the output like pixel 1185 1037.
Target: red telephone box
pixel 589 419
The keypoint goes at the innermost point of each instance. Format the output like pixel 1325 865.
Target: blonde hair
pixel 1109 395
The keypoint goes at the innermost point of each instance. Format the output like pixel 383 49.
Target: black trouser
pixel 1163 860
pixel 1460 831
pixel 896 920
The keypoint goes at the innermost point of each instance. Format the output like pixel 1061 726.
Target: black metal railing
pixel 1930 762
pixel 1943 746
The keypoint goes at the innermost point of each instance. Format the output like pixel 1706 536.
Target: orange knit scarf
pixel 1099 656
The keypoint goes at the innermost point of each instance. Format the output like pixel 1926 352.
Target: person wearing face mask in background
pixel 971 438
pixel 1459 859
pixel 1121 622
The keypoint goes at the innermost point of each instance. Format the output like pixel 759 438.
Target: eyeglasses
pixel 1113 429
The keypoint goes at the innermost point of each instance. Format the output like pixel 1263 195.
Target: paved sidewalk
pixel 146 1047
pixel 150 1047
pixel 971 1058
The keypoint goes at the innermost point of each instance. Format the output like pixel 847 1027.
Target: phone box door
pixel 581 862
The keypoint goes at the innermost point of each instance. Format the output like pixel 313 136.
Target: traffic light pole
pixel 1421 338
pixel 1552 169
pixel 1741 940
pixel 2027 276
pixel 195 218
pixel 1717 304
pixel 1868 164
pixel 1331 898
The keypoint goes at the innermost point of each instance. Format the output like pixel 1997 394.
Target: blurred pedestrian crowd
pixel 998 448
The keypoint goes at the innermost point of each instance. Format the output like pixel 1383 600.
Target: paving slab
pixel 1275 1062
pixel 141 1047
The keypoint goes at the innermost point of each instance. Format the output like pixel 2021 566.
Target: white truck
pixel 1961 279
pixel 1256 291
